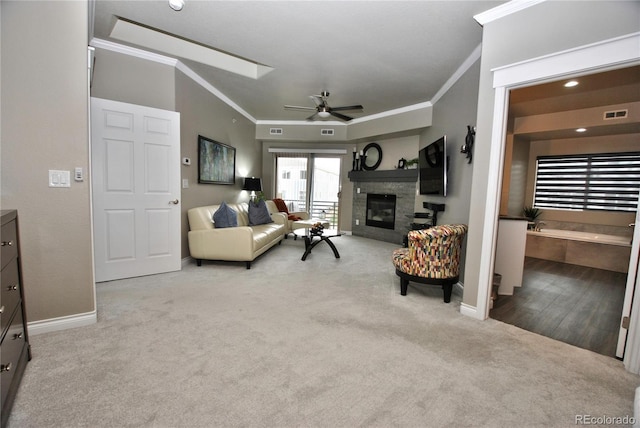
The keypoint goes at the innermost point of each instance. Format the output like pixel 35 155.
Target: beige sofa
pixel 290 225
pixel 242 243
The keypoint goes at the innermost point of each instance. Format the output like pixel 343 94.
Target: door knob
pixel 174 202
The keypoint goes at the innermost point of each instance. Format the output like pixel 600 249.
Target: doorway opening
pixel 557 298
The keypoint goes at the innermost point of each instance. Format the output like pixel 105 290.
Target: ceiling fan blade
pixel 313 116
pixel 340 116
pixel 318 100
pixel 354 107
pixel 299 108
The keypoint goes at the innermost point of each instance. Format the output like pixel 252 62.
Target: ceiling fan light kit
pixel 176 5
pixel 322 110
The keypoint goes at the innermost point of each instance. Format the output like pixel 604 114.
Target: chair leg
pixel 448 288
pixel 403 286
pixel 199 262
pixel 248 265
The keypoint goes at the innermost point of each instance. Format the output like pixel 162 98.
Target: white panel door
pixel 135 171
pixel 633 278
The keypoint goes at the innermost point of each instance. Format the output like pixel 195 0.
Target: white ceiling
pixel 381 54
pixel 384 55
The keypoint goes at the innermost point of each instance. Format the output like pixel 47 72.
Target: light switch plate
pixel 59 178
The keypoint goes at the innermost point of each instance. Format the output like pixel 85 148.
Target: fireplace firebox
pixel 381 210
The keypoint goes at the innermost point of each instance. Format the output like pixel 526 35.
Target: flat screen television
pixel 432 161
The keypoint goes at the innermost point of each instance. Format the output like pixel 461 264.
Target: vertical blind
pixel 603 181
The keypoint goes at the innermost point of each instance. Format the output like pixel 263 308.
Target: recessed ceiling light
pixel 571 84
pixel 176 5
pixel 581 130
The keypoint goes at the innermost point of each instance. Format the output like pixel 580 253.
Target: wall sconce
pixel 467 148
pixel 253 185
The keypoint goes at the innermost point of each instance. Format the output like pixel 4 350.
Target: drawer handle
pixel 5 367
pixel 5 243
pixel 12 287
pixel 17 336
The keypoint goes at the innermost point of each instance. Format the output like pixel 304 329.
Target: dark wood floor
pixel 574 304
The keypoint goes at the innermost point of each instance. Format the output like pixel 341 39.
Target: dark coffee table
pixel 312 239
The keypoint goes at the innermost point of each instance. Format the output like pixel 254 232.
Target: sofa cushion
pixel 259 213
pixel 225 216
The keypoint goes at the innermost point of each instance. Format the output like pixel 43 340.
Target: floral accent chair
pixel 432 257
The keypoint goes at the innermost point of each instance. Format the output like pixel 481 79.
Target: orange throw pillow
pixel 281 206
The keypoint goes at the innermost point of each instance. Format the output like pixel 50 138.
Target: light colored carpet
pixel 322 343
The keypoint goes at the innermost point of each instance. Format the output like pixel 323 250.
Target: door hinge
pixel 625 322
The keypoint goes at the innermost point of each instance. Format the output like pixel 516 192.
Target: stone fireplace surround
pixel 400 182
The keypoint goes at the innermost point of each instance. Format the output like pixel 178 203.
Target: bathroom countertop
pixel 513 217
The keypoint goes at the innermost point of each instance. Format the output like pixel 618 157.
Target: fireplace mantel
pixel 390 175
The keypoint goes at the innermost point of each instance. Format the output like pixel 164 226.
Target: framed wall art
pixel 216 162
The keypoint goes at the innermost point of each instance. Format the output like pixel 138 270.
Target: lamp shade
pixel 252 184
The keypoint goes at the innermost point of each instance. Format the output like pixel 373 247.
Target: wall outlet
pixel 357 222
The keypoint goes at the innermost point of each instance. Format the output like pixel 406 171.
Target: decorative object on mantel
pixel 356 157
pixel 412 163
pixel 467 148
pixel 402 163
pixel 371 156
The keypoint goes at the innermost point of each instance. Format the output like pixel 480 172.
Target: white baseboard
pixel 469 311
pixel 187 261
pixel 62 323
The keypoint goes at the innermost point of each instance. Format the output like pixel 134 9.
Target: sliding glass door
pixel 310 182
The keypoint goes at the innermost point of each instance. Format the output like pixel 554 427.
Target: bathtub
pixel 595 250
pixel 583 236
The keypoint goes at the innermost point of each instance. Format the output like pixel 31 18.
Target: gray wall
pixel 201 113
pixel 451 115
pixel 542 29
pixel 133 80
pixel 44 126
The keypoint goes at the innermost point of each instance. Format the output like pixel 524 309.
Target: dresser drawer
pixel 12 348
pixel 9 292
pixel 8 242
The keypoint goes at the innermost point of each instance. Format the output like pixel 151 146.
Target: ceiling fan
pixel 322 108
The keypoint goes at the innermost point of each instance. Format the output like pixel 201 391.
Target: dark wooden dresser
pixel 14 342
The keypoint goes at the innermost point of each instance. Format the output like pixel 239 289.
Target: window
pixel 603 181
pixel 312 184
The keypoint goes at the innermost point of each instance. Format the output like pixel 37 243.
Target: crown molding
pixel 466 65
pixel 131 51
pixel 301 122
pixel 162 59
pixel 213 90
pixel 503 10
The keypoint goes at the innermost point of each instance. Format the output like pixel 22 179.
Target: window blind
pixel 604 181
